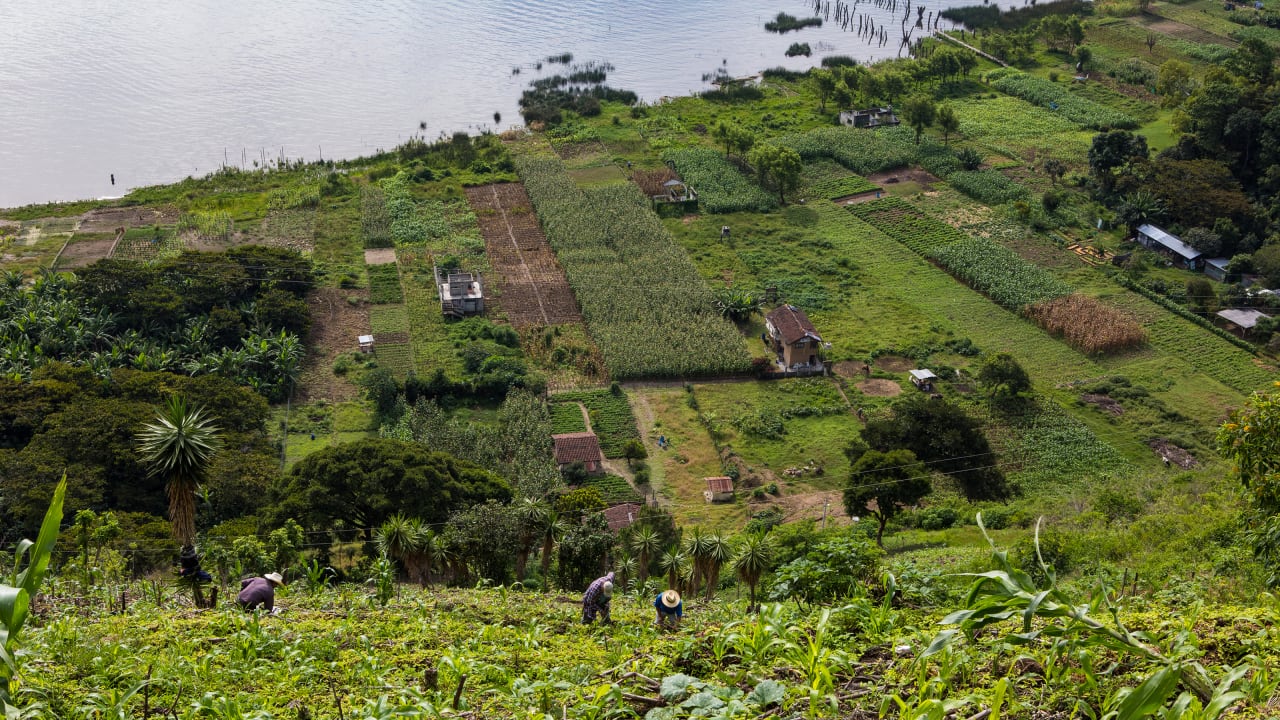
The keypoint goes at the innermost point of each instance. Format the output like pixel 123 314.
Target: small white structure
pixel 461 293
pixel 923 379
pixel 366 343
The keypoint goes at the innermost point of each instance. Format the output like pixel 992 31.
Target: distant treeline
pixel 989 17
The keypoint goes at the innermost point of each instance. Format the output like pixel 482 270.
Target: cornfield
pixel 642 298
pixel 1087 325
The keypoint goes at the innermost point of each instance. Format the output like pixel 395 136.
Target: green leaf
pixel 675 687
pixel 14 602
pixel 702 701
pixel 940 642
pixel 767 692
pixel 29 579
pixel 1150 696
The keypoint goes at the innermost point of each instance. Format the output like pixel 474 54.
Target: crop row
pixel 567 418
pixel 1087 325
pixel 842 187
pixel 1048 94
pixel 611 417
pixel 613 489
pixel 987 186
pixel 412 222
pixel 862 151
pixel 901 221
pixel 384 284
pixel 645 305
pixel 999 273
pixel 720 186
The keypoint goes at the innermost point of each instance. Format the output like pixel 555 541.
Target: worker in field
pixel 670 609
pixel 596 600
pixel 258 592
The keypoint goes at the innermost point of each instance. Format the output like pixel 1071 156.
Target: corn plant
pixel 1007 592
pixel 15 599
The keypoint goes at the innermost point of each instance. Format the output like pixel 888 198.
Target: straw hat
pixel 275 578
pixel 671 599
pixel 607 589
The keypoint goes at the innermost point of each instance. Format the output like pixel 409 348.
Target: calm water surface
pixel 155 90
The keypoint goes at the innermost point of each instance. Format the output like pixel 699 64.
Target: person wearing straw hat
pixel 596 600
pixel 670 609
pixel 259 591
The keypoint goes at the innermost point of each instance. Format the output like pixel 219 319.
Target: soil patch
pixel 894 363
pixel 901 175
pixel 108 219
pixel 878 387
pixel 1103 402
pixel 532 288
pixel 1172 453
pixel 813 505
pixel 379 256
pixel 1173 28
pixel 79 254
pixel 572 150
pixel 335 325
pixel 850 369
pixel 860 198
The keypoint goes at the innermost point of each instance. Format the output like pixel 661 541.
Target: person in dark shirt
pixel 596 600
pixel 259 591
pixel 670 609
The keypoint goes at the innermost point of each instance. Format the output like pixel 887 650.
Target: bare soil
pixel 878 387
pixel 82 253
pixel 1173 453
pixel 894 363
pixel 1103 402
pixel 811 505
pixel 532 288
pixel 850 369
pixel 1173 28
pixel 890 177
pixel 109 219
pixel 379 256
pixel 335 325
pixel 860 198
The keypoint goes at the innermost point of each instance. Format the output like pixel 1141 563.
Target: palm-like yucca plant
pixel 532 514
pixel 646 543
pixel 696 547
pixel 753 559
pixel 671 563
pixel 718 551
pixel 179 447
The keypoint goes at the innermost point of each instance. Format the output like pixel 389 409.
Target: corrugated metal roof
pixel 1220 263
pixel 923 375
pixel 1242 318
pixel 721 484
pixel 1169 241
pixel 581 447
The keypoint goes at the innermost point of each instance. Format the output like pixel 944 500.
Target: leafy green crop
pixel 1044 93
pixel 720 186
pixel 999 273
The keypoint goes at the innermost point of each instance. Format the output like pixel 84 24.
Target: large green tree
pixel 779 166
pixel 179 447
pixel 920 112
pixel 943 436
pixel 882 483
pixel 1251 440
pixel 363 483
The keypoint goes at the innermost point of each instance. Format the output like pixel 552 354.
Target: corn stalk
pixel 1007 592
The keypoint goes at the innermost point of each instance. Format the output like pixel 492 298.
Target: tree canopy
pixel 882 483
pixel 365 482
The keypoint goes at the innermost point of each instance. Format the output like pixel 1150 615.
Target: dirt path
pixel 964 44
pixel 645 418
pixel 586 416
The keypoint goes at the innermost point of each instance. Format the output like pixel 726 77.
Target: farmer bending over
pixel 259 591
pixel 596 600
pixel 670 609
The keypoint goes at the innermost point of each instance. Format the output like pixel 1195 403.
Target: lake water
pixel 155 90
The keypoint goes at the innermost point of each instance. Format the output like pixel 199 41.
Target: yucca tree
pixel 753 559
pixel 551 529
pixel 718 551
pixel 532 514
pixel 179 447
pixel 671 562
pixel 646 543
pixel 696 549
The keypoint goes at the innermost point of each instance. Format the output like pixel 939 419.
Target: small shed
pixel 579 447
pixel 793 337
pixel 923 379
pixel 622 516
pixel 869 118
pixel 366 343
pixel 1216 268
pixel 719 489
pixel 1242 322
pixel 1170 245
